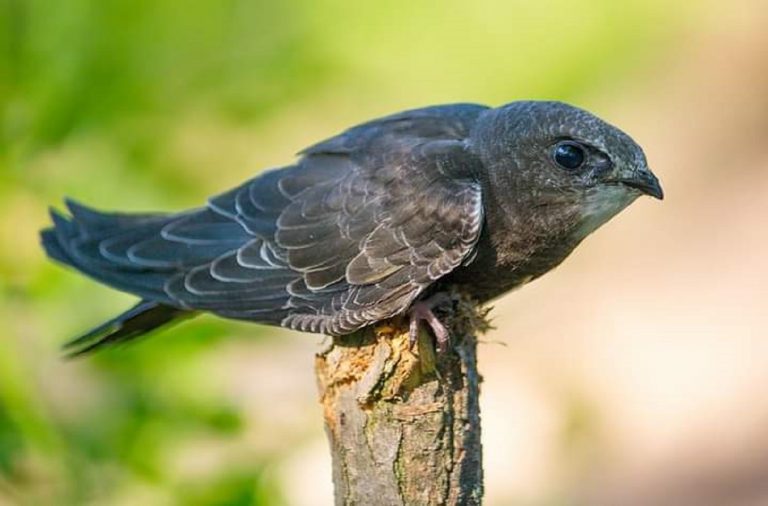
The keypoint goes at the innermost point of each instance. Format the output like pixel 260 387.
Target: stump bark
pixel 404 422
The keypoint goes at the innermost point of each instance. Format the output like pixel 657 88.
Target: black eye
pixel 569 155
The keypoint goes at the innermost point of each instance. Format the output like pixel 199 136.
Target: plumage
pixel 364 223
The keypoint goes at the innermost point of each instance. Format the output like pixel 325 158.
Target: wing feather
pixel 350 234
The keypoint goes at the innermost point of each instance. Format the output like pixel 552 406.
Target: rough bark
pixel 404 424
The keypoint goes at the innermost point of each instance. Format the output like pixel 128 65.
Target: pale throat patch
pixel 602 204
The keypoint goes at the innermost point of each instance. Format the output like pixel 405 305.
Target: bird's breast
pixel 510 258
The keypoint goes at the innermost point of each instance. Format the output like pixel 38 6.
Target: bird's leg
pixel 422 311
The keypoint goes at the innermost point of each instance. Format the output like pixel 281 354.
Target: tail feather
pixel 76 241
pixel 102 246
pixel 144 317
pixel 98 224
pixel 52 246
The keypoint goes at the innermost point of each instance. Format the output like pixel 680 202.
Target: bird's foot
pixel 422 311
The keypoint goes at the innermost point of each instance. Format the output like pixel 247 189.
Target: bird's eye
pixel 569 155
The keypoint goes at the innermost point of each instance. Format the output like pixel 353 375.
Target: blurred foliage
pixel 156 104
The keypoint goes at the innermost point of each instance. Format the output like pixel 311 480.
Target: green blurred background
pixel 155 105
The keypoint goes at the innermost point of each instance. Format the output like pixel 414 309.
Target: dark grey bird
pixel 369 224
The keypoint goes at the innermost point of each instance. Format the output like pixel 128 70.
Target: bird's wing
pixel 352 233
pixel 349 235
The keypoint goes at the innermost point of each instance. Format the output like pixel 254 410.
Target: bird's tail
pixel 142 318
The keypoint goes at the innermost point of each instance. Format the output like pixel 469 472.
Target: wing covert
pixel 352 233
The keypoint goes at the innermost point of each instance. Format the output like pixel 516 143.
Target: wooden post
pixel 404 424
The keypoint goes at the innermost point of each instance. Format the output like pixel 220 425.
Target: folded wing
pixel 351 234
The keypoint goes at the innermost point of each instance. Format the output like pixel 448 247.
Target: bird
pixel 373 223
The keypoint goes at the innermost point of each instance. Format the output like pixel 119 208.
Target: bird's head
pixel 549 155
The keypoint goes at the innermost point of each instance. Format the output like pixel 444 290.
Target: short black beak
pixel 646 182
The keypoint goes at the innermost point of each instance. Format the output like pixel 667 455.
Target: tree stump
pixel 404 422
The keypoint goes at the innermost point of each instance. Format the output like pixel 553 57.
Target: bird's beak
pixel 645 181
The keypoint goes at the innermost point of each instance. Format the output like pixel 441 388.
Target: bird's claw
pixel 422 311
